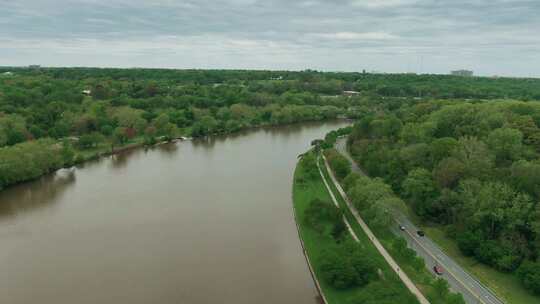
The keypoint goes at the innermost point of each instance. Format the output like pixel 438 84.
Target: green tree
pixel 441 288
pixel 12 130
pixel 339 164
pixel 506 144
pixel 350 180
pixel 476 157
pixel 416 155
pixel 364 265
pixel 455 298
pixel 529 274
pixel 205 126
pixel 526 177
pixel 120 135
pixel 319 213
pixel 130 118
pixel 420 189
pixel 441 148
pixel 91 140
pixel 308 163
pixel 363 195
pixel 448 172
pixel 337 270
pixel 67 154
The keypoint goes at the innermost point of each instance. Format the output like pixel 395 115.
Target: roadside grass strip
pixel 372 238
pixel 305 190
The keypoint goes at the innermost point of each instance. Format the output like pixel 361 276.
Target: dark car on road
pixel 438 270
pixel 420 233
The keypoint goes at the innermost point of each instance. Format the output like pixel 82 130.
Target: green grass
pixel 315 243
pixel 422 279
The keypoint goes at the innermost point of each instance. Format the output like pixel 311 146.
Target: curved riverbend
pixel 191 222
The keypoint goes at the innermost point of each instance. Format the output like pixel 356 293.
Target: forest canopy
pixel 472 167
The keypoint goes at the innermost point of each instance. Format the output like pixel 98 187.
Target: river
pixel 190 222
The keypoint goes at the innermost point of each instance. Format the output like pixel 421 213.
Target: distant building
pixel 351 93
pixel 463 73
pixel 7 74
pixel 34 66
pixel 87 92
pixel 277 78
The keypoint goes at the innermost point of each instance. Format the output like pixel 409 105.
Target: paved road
pixel 402 275
pixel 459 280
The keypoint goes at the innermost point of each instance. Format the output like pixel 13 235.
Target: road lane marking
pixel 448 270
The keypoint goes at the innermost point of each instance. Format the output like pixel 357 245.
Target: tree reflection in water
pixel 35 195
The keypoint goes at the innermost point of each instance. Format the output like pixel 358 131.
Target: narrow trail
pixel 404 278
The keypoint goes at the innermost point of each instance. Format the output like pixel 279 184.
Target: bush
pixel 339 164
pixel 350 180
pixel 468 242
pixel 347 266
pixel 308 162
pixel 320 212
pixel 91 140
pixel 529 274
pixel 339 229
pixel 488 252
pixel 337 270
pixel 382 293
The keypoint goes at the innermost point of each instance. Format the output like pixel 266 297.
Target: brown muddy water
pixel 191 222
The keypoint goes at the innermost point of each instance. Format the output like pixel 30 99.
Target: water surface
pixel 192 222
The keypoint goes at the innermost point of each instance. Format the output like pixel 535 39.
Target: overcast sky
pixel 491 37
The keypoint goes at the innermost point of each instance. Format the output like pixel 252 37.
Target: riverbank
pixel 385 286
pixel 31 160
pixel 153 205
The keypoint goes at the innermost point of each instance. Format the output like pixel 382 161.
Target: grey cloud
pixel 392 35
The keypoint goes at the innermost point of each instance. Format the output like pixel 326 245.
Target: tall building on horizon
pixel 465 73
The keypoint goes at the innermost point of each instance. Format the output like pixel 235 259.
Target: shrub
pixel 529 274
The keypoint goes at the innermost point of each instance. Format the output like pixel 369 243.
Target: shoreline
pixel 321 296
pixel 80 158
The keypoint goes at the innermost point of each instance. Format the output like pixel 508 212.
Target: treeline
pixel 61 102
pixel 32 108
pixel 96 110
pixel 389 85
pixel 32 159
pixel 472 167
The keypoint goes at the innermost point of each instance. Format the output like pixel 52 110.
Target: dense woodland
pixel 80 110
pixel 470 166
pixel 87 109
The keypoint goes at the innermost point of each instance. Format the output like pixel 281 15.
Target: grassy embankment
pixel 421 276
pixel 305 190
